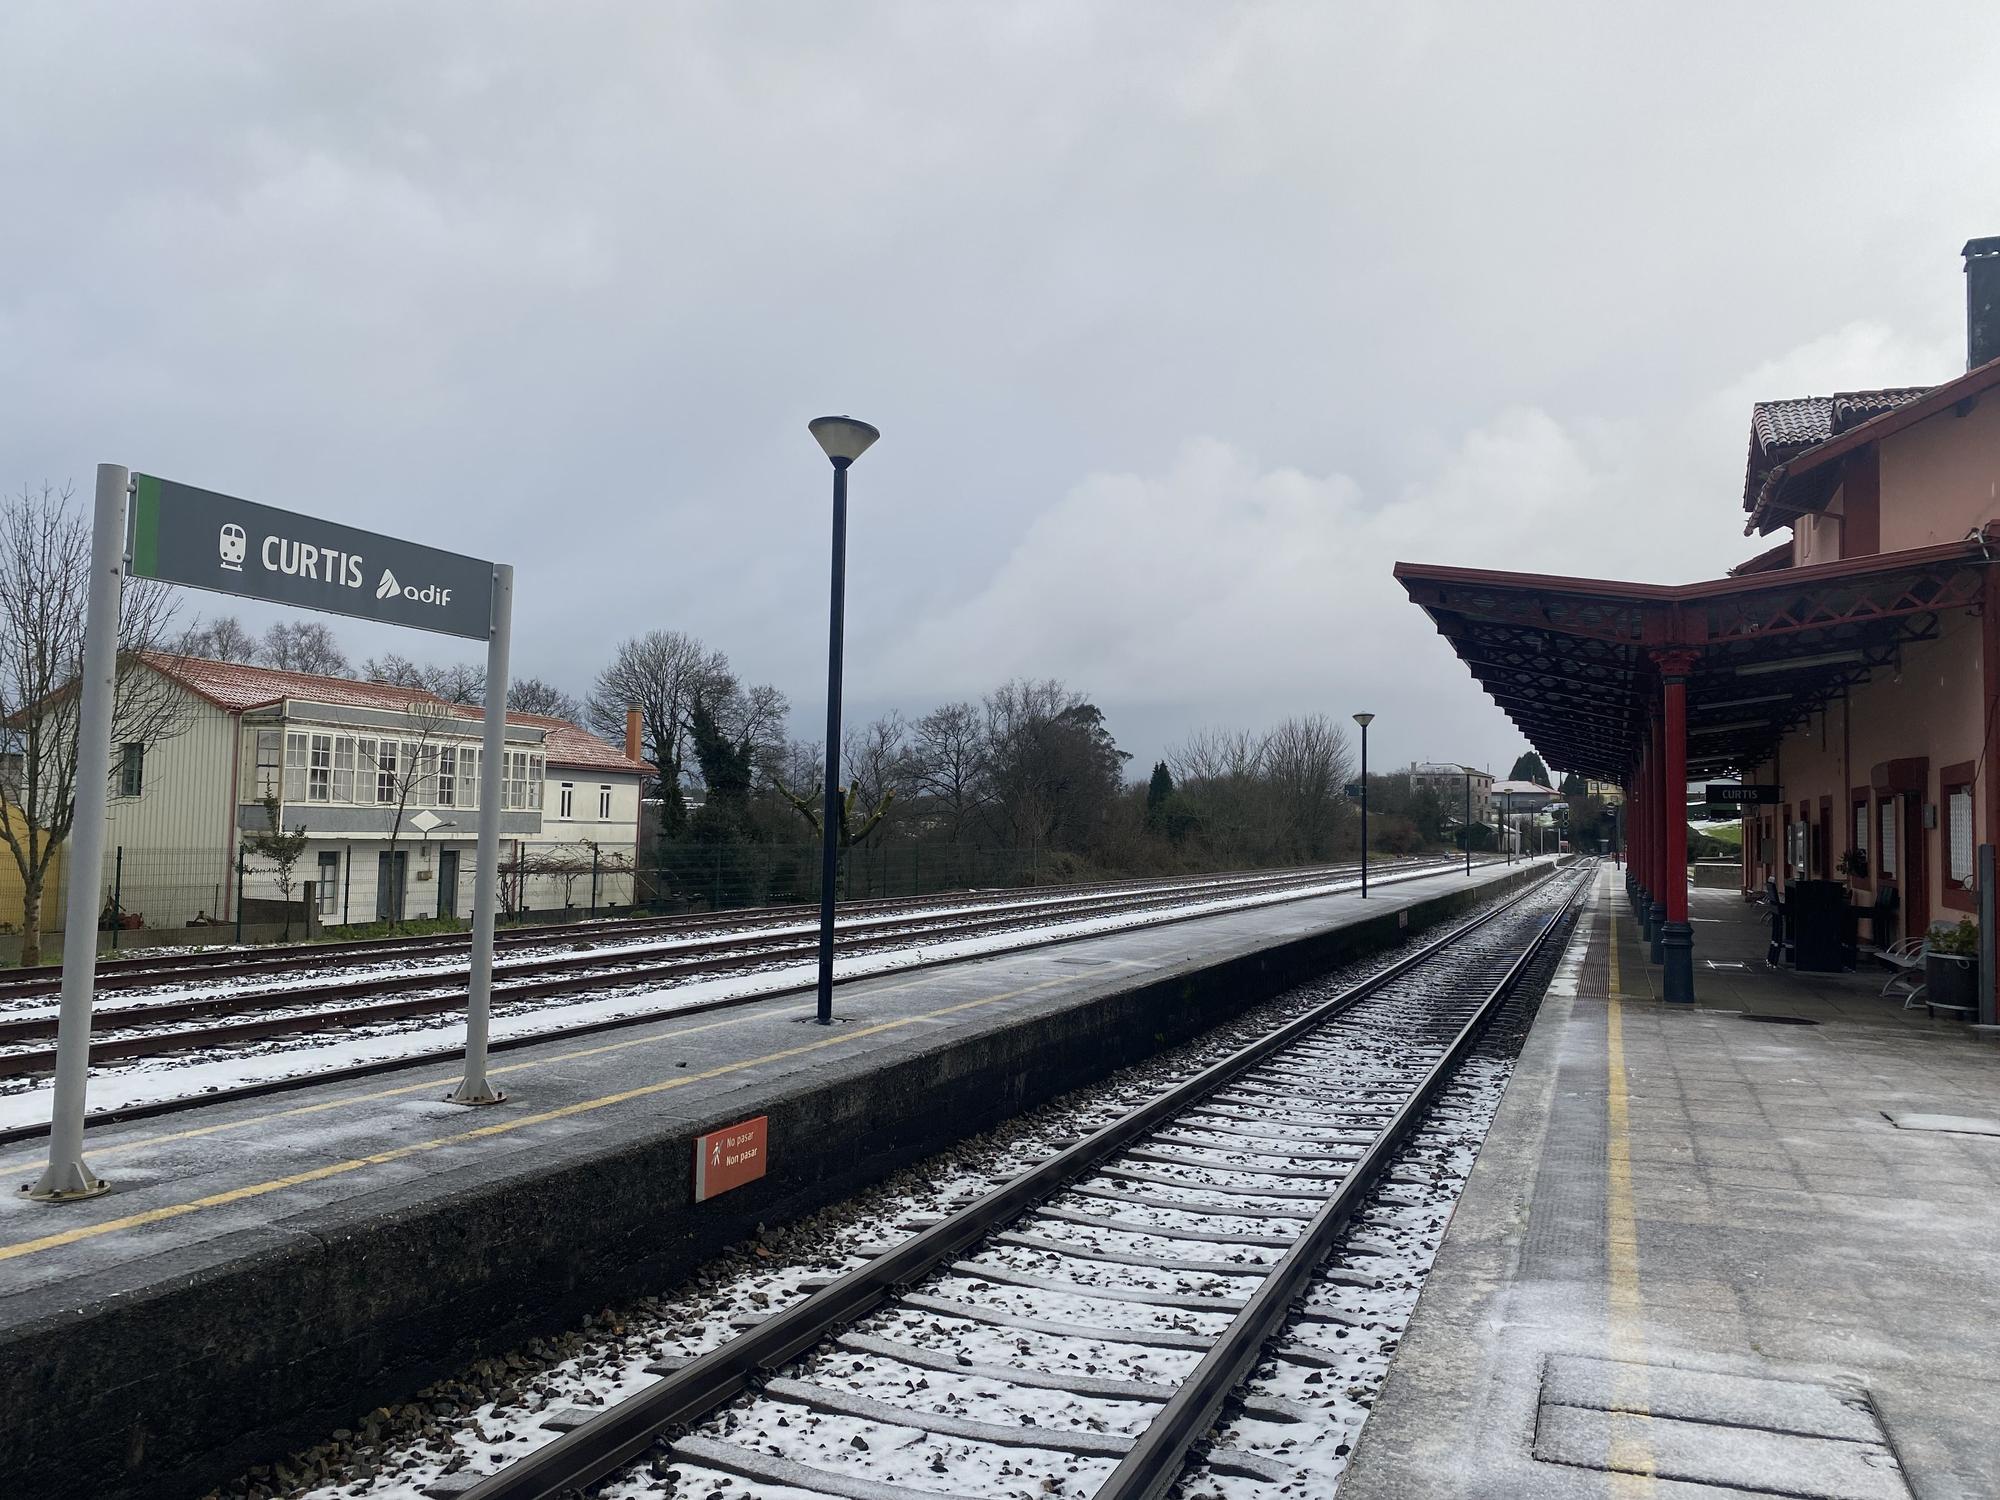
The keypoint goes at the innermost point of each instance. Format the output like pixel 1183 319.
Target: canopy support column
pixel 1676 940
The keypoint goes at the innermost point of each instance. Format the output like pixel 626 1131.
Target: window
pixel 295 767
pixel 343 769
pixel 270 751
pixel 522 778
pixel 328 890
pixel 447 775
pixel 425 759
pixel 1958 822
pixel 1861 827
pixel 604 803
pixel 385 771
pixel 468 776
pixel 566 802
pixel 1887 808
pixel 319 769
pixel 131 770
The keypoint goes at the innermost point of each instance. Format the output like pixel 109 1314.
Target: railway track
pixel 175 1025
pixel 201 966
pixel 1078 1330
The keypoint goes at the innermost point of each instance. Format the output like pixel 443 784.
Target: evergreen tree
pixel 728 770
pixel 1158 791
pixel 1529 767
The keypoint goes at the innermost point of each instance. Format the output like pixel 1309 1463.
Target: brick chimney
pixel 632 721
pixel 1982 300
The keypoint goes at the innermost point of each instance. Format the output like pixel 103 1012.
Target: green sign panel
pixel 180 534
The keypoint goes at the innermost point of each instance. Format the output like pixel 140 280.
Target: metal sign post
pixel 199 539
pixel 66 1178
pixel 474 1088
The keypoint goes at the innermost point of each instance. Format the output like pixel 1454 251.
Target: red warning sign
pixel 729 1157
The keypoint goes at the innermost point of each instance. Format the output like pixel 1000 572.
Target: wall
pixel 179 834
pixel 1941 478
pixel 1932 709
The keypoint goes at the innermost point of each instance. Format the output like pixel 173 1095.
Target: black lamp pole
pixel 844 440
pixel 1364 720
pixel 1468 819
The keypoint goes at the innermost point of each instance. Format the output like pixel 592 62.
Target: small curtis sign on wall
pixel 729 1157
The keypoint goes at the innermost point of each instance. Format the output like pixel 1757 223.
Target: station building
pixel 1853 667
pixel 349 762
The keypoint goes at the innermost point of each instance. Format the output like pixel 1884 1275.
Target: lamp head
pixel 844 438
pixel 1364 720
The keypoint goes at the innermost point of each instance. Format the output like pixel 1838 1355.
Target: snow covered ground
pixel 190 1075
pixel 497 1409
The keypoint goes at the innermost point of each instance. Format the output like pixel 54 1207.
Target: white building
pixel 352 762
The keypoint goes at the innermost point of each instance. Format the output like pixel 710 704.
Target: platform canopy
pixel 1575 662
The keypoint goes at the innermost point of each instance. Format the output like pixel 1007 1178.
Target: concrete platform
pixel 1696 1259
pixel 266 1270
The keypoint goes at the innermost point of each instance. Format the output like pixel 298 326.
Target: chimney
pixel 632 734
pixel 1982 300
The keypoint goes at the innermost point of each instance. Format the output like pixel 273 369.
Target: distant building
pixel 1448 782
pixel 1512 797
pixel 346 761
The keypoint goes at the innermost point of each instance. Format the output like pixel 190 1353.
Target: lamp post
pixel 843 439
pixel 1364 720
pixel 1468 818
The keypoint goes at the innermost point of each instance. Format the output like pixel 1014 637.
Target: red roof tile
pixel 236 687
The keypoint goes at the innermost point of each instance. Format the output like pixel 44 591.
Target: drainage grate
pixel 1729 1435
pixel 1780 1020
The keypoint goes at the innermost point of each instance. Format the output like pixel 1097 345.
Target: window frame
pixel 566 801
pixel 295 767
pixel 1959 889
pixel 132 768
pixel 328 892
pixel 319 771
pixel 604 802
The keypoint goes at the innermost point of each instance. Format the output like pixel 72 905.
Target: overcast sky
pixel 1181 322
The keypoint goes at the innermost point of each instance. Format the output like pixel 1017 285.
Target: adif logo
pixel 430 593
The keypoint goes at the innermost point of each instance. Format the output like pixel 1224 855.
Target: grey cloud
pixel 562 285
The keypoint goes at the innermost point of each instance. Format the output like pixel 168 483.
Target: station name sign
pixel 1731 795
pixel 197 538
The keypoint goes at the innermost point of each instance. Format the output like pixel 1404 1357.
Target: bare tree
pixel 224 638
pixel 1054 766
pixel 44 583
pixel 1308 765
pixel 947 763
pixel 303 646
pixel 532 695
pixel 404 765
pixel 662 674
pixel 453 681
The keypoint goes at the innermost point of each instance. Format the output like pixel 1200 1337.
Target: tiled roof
pixel 236 687
pixel 570 746
pixel 1780 430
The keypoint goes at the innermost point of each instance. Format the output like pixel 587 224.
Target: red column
pixel 1676 938
pixel 1661 873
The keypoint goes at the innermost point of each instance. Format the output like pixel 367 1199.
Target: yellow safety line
pixel 484 1132
pixel 1631 1449
pixel 108 1149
